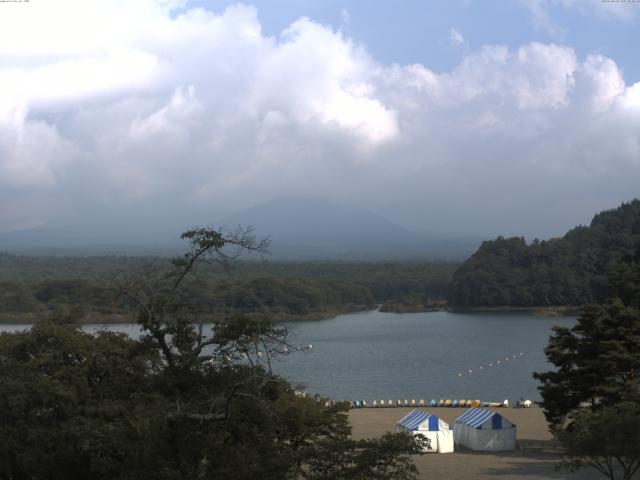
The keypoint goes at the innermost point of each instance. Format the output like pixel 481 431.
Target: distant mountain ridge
pixel 572 270
pixel 318 222
pixel 302 228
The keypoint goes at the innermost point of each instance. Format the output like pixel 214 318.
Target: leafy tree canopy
pixel 180 403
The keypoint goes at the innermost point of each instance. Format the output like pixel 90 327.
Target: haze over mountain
pixel 75 240
pixel 299 228
pixel 316 228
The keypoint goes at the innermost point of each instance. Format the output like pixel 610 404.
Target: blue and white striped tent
pixel 480 429
pixel 437 432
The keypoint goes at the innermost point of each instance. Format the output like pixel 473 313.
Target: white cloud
pixel 541 16
pixel 607 81
pixel 345 16
pixel 541 12
pixel 170 123
pixel 123 109
pixel 455 37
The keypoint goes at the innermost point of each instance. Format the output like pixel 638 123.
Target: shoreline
pixel 539 311
pixel 542 311
pixel 31 318
pixel 130 318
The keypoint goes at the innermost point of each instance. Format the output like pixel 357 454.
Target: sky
pixel 139 118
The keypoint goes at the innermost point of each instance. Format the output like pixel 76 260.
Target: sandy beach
pixel 534 460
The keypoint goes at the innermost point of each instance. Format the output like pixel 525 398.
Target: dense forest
pixel 569 271
pixel 32 288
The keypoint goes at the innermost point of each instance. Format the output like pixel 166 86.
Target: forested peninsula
pixel 85 288
pixel 568 271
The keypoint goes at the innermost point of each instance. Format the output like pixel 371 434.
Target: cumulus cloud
pixel 163 113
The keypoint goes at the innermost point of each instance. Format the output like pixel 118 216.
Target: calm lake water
pixel 386 356
pixel 420 355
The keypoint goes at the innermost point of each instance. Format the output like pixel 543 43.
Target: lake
pixel 376 355
pixel 421 355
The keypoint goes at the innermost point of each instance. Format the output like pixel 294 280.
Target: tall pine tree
pixel 594 393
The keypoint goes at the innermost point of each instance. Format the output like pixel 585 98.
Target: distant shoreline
pixel 128 319
pixel 542 311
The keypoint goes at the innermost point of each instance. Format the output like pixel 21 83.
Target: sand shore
pixel 535 460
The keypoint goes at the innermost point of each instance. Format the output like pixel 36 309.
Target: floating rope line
pixel 497 363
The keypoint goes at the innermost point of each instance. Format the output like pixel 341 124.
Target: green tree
pixel 592 396
pixel 381 458
pixel 72 405
pixel 606 440
pixel 597 360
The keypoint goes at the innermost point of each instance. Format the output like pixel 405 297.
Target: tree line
pixel 33 287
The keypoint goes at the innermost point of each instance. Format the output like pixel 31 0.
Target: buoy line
pixel 497 363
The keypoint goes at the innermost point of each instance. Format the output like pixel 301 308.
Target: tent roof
pixel 481 418
pixel 416 418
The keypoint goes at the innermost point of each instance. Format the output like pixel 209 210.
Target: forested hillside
pixel 571 270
